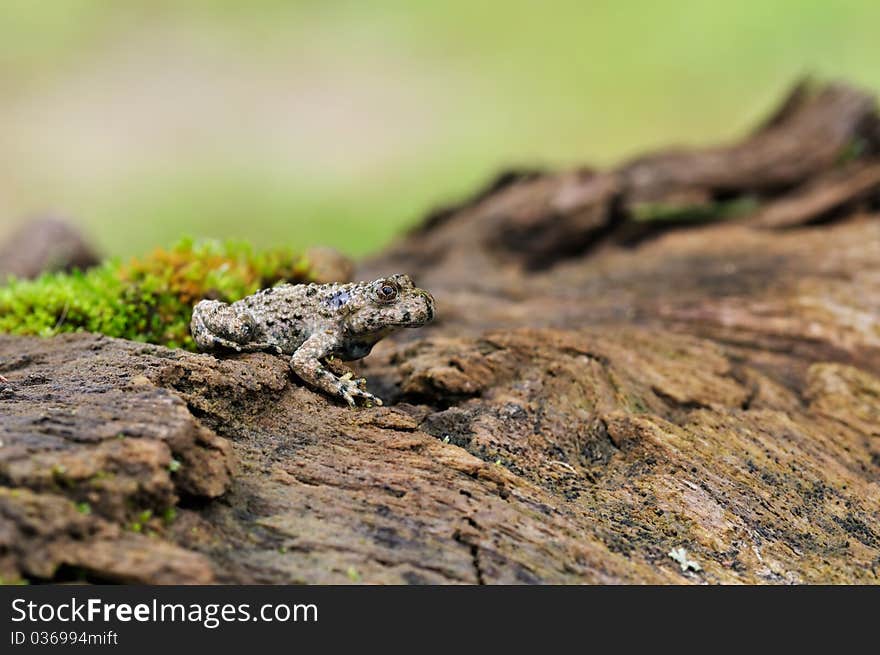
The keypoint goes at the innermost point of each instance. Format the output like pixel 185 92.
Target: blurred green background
pixel 342 122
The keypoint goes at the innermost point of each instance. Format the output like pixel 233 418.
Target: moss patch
pixel 149 298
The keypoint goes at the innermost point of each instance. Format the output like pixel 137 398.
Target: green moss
pixel 60 478
pixel 13 581
pixel 146 299
pixel 698 213
pixel 635 405
pixel 853 150
pixel 100 479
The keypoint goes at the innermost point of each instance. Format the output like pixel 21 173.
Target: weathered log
pixel 840 189
pixel 584 406
pixel 814 128
pixel 798 157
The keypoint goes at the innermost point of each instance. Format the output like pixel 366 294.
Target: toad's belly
pixel 353 350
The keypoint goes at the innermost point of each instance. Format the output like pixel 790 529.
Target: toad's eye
pixel 387 291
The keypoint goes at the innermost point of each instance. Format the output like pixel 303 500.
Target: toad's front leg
pixel 306 363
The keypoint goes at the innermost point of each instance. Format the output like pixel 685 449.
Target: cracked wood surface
pixel 594 394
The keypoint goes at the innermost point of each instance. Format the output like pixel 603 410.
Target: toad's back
pixel 288 314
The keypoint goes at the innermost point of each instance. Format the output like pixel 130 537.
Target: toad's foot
pixel 351 390
pixel 306 363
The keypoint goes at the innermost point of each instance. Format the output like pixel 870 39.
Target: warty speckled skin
pixel 311 322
